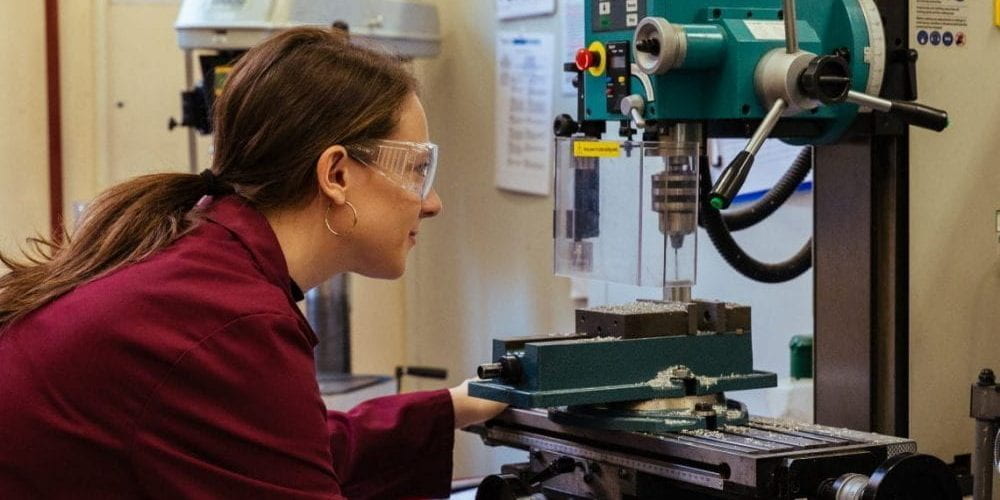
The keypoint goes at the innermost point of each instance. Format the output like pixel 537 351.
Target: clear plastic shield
pixel 626 212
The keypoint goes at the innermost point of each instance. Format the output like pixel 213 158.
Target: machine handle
pixel 735 174
pixel 920 115
pixel 791 33
pixel 423 372
pixel 912 113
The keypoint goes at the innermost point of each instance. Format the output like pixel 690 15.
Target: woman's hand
pixel 470 410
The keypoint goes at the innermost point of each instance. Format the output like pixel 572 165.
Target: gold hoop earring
pixel 326 217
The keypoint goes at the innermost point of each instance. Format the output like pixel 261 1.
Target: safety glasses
pixel 412 165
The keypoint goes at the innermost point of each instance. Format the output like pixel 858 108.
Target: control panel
pixel 617 15
pixel 619 74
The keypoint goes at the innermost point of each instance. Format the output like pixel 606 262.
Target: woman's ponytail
pixel 125 224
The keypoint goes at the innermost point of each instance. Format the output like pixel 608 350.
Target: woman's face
pixel 389 215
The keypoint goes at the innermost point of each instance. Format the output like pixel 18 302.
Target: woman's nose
pixel 431 206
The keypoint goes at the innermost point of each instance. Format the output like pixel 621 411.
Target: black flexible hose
pixel 740 219
pixel 715 226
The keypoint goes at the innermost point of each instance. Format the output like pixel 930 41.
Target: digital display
pixel 618 62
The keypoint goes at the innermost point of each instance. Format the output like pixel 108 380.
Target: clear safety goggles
pixel 411 165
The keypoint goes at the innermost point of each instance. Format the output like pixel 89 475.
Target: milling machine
pixel 635 401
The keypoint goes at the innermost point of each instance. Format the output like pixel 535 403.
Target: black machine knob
pixel 503 487
pixel 827 79
pixel 489 371
pixel 565 126
pixel 907 475
pixel 649 46
pixel 507 369
pixel 987 377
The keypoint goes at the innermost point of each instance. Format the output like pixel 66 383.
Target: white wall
pixel 24 195
pixel 954 248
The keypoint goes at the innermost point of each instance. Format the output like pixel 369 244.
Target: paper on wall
pixel 515 9
pixel 524 84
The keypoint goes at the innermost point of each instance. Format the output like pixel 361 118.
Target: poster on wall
pixel 940 23
pixel 524 81
pixel 516 9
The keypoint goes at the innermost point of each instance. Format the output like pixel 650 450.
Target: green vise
pixel 582 369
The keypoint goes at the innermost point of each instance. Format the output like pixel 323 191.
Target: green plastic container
pixel 801 349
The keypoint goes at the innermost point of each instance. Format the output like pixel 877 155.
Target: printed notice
pixel 941 23
pixel 524 112
pixel 515 9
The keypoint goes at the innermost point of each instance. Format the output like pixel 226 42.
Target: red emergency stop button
pixel 586 59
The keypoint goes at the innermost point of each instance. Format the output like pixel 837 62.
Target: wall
pixel 24 195
pixel 954 251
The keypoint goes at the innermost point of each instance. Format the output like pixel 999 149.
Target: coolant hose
pixel 740 219
pixel 715 226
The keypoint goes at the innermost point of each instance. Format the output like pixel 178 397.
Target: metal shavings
pixel 662 379
pixel 641 307
pixel 704 433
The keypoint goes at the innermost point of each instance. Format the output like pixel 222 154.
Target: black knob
pixel 986 377
pixel 341 25
pixel 489 371
pixel 565 126
pixel 503 487
pixel 172 123
pixel 507 369
pixel 649 46
pixel 827 78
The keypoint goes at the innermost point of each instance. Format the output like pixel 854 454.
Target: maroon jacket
pixel 191 375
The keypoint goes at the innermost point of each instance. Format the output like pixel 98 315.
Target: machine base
pixel 767 458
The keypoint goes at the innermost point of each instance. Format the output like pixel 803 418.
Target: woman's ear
pixel 333 174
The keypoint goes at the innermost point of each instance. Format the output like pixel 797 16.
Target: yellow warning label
pixel 597 149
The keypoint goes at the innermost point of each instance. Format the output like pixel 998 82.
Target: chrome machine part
pixel 632 106
pixel 876 103
pixel 850 486
pixel 658 46
pixel 791 32
pixel 906 475
pixel 777 77
pixel 675 197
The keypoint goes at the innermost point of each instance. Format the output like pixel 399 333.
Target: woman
pixel 160 353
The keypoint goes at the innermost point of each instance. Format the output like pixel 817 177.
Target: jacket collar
pixel 251 228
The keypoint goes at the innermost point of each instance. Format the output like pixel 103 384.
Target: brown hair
pixel 286 101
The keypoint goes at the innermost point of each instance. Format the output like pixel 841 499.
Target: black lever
pixel 910 112
pixel 559 466
pixel 735 174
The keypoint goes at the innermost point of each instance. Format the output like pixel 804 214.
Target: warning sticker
pixel 941 23
pixel 766 30
pixel 596 149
